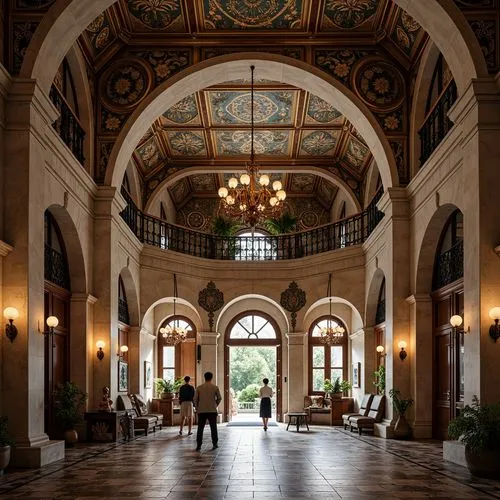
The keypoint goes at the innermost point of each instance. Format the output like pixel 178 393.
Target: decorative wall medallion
pixel 485 31
pixel 158 14
pixel 195 220
pixel 293 299
pixel 182 113
pixel 186 143
pixel 379 84
pixel 211 299
pixel 266 142
pixel 318 142
pixel 309 219
pixel 166 63
pixel 319 111
pixel 112 122
pixel 271 107
pixel 22 34
pixel 348 14
pixel 125 84
pixel 338 63
pixel 252 14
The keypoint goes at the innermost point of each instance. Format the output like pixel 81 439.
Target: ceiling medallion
pixel 252 202
pixel 333 333
pixel 174 334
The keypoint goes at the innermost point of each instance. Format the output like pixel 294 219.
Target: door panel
pixel 442 386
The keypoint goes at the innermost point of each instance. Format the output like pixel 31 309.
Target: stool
pixel 297 419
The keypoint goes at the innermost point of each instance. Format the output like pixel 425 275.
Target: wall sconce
pixel 123 350
pixel 402 353
pixel 456 321
pixel 100 353
pixel 495 329
pixel 380 350
pixel 10 314
pixel 52 322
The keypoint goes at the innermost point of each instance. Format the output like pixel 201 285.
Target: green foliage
pixel 477 426
pixel 249 393
pixel 345 386
pixel 249 365
pixel 328 386
pixel 337 386
pixel 401 405
pixel 162 385
pixel 224 227
pixel 69 402
pixel 177 383
pixel 379 381
pixel 284 224
pixel 5 439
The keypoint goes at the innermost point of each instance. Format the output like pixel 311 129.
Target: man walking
pixel 206 399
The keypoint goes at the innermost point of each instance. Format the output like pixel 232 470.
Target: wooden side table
pixel 166 408
pixel 339 407
pixel 297 419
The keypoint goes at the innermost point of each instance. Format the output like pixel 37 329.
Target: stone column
pixel 82 345
pixel 209 363
pixel 107 207
pixel 135 361
pixel 296 384
pixel 370 359
pixel 477 113
pixel 421 344
pixel 395 206
pixel 29 115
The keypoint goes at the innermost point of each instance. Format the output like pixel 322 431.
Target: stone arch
pixel 268 66
pixel 339 308
pixel 186 308
pixel 423 80
pixel 428 248
pixel 255 302
pixel 132 296
pixel 74 251
pixel 334 179
pixel 372 296
pixel 67 19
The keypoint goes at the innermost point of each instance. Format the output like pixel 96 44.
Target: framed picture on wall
pixel 148 375
pixel 122 376
pixel 356 374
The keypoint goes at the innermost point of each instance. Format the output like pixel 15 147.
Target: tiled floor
pixel 324 463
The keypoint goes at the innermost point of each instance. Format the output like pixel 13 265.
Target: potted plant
pixel 177 384
pixel 379 381
pixel 402 429
pixel 328 387
pixel 337 389
pixel 69 402
pixel 5 445
pixel 164 388
pixel 226 229
pixel 345 387
pixel 478 427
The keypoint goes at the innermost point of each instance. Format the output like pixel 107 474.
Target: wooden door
pixel 56 365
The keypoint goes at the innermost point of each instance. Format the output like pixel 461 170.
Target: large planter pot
pixel 484 464
pixel 167 395
pixel 4 457
pixel 70 438
pixel 337 395
pixel 402 429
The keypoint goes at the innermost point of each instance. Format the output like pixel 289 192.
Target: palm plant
pixel 224 227
pixel 69 402
pixel 401 405
pixel 286 223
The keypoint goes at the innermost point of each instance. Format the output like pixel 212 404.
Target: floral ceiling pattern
pixel 348 14
pixel 157 14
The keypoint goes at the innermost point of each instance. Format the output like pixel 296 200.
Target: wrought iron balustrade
pixel 67 125
pixel 344 233
pixel 449 266
pixel 123 314
pixel 437 124
pixel 56 269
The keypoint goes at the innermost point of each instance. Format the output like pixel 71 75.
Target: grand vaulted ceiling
pixel 368 45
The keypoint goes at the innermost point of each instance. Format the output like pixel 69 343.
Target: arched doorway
pixel 448 345
pixel 57 302
pixel 177 361
pixel 252 335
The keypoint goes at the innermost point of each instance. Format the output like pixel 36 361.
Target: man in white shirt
pixel 206 399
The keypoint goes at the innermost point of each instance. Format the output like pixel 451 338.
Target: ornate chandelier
pixel 252 201
pixel 331 335
pixel 174 334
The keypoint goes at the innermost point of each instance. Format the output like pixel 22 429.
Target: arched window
pixel 326 362
pixel 179 360
pixel 123 314
pixel 253 246
pixel 449 262
pixel 380 315
pixel 56 262
pixel 252 327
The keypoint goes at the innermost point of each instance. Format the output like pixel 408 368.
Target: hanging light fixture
pixel 330 334
pixel 252 201
pixel 174 334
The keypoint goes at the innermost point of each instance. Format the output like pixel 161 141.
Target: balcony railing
pixel 449 266
pixel 123 314
pixel 344 233
pixel 437 124
pixel 67 125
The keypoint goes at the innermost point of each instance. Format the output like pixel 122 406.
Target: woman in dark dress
pixel 265 402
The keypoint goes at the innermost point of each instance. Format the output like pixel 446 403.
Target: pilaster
pixel 208 362
pixel 296 381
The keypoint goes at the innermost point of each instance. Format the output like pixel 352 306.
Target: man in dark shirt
pixel 186 394
pixel 206 399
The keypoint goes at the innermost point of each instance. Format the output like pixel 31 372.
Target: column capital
pixel 418 298
pixel 148 333
pixel 208 338
pixel 296 338
pixel 83 297
pixel 361 332
pixel 394 203
pixel 108 200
